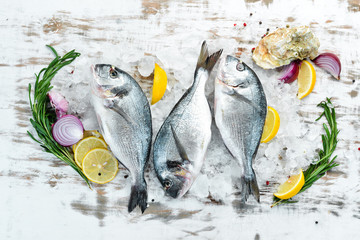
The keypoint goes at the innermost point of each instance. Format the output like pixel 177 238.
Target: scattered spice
pixel 250 14
pixel 72 71
pixel 353 80
pixel 267 183
pixel 153 200
pixel 316 222
pixel 287 25
pixel 244 24
pixel 126 176
pixel 260 22
pixel 359 148
pixel 268 29
pixel 252 50
pixel 234 24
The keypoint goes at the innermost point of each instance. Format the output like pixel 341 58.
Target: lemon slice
pixel 89 133
pixel 100 166
pixel 271 126
pixel 159 85
pixel 306 79
pixel 85 145
pixel 291 187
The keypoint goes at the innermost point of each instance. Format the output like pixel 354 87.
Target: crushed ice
pixel 294 146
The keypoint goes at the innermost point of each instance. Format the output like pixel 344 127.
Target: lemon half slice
pixel 306 79
pixel 291 187
pixel 100 166
pixel 159 84
pixel 271 126
pixel 85 145
pixel 88 133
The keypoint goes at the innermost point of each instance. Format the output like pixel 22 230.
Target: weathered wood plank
pixel 41 192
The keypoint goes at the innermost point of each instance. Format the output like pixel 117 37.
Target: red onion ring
pixel 330 63
pixel 67 130
pixel 290 72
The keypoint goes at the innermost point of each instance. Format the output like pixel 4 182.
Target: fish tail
pixel 205 61
pixel 138 196
pixel 249 186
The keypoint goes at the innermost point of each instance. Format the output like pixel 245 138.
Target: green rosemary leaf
pixel 43 118
pixel 319 168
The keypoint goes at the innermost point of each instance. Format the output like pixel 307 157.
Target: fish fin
pixel 138 196
pixel 112 106
pixel 249 186
pixel 205 61
pixel 244 99
pixel 179 146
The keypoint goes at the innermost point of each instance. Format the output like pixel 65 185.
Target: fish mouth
pixel 187 179
pixel 232 71
pixel 99 90
pixel 225 79
pixel 95 86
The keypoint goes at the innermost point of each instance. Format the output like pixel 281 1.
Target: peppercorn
pixel 244 24
pixel 260 22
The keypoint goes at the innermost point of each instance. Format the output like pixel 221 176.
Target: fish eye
pixel 167 183
pixel 240 66
pixel 113 73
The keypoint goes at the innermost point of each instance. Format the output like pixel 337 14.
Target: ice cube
pixel 146 66
pixel 221 185
pixel 200 188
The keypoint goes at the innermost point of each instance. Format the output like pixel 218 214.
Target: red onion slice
pixel 329 62
pixel 290 72
pixel 58 102
pixel 68 130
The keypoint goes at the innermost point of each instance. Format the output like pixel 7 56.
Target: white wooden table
pixel 42 198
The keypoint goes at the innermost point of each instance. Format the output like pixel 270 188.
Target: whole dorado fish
pixel 182 141
pixel 240 112
pixel 123 113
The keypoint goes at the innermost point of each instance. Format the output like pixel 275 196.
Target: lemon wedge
pixel 271 126
pixel 291 187
pixel 159 84
pixel 89 133
pixel 306 79
pixel 85 145
pixel 100 166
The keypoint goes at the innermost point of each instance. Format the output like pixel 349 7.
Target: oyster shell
pixel 285 45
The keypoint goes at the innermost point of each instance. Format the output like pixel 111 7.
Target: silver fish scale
pixel 129 142
pixel 124 116
pixel 191 120
pixel 240 111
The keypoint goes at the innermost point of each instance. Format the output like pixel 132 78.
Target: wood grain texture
pixel 42 198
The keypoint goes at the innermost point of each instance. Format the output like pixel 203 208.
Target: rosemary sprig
pixel 43 117
pixel 318 169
